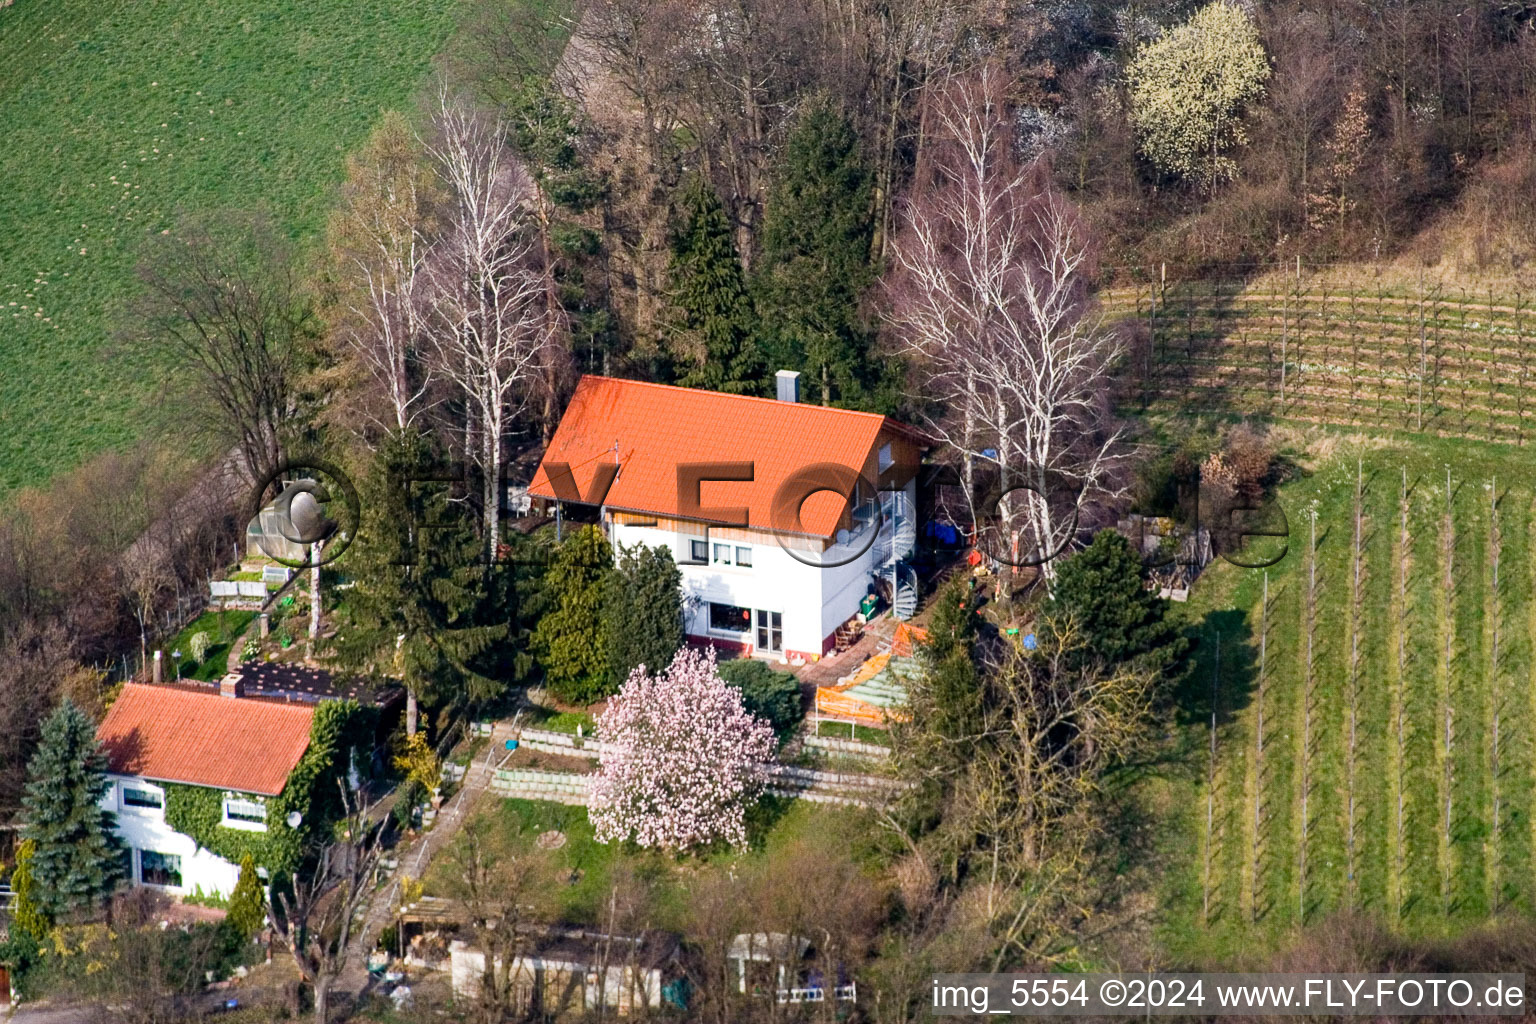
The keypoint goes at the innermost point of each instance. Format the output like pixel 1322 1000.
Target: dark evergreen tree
pixel 545 129
pixel 1102 591
pixel 518 588
pixel 572 639
pixel 644 611
pixel 78 859
pixel 951 691
pixel 420 609
pixel 710 293
pixel 814 265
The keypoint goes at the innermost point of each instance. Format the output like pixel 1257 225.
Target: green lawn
pixel 1409 821
pixel 851 730
pixel 222 633
pixel 587 865
pixel 119 114
pixel 566 722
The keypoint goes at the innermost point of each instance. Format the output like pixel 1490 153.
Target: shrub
pixel 410 795
pixel 770 695
pixel 247 904
pixel 199 645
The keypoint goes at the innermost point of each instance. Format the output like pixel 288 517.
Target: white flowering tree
pixel 681 760
pixel 1188 89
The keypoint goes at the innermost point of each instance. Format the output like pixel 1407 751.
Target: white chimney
pixel 788 382
pixel 155 675
pixel 232 685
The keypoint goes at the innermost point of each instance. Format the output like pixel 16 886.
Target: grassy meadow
pixel 1376 721
pixel 117 115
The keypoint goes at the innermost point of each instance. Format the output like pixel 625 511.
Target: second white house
pixel 783 517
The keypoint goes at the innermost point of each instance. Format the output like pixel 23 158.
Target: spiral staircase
pixel 896 540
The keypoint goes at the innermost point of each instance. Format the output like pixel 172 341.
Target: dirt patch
pixel 522 757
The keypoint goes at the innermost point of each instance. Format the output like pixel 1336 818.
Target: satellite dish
pixel 293 819
pixel 307 518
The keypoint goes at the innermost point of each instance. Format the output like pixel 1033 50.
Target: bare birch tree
pixel 991 304
pixel 378 241
pixel 487 323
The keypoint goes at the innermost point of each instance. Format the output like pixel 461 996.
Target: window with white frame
pixel 887 459
pixel 159 868
pixel 242 812
pixel 141 797
pixel 732 554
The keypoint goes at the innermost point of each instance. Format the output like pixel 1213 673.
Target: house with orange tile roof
pixel 782 516
pixel 159 737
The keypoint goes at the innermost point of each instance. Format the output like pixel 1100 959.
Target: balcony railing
pixel 818 994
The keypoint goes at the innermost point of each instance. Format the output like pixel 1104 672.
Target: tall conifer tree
pixel 711 296
pixel 78 858
pixel 815 262
pixel 644 611
pixel 572 638
pixel 420 610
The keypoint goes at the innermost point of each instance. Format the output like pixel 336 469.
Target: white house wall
pixel 814 601
pixel 144 828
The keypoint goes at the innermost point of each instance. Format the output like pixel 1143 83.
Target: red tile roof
pixel 657 428
pixel 174 735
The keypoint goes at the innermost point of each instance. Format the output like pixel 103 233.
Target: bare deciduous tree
pixel 486 317
pixel 314 919
pixel 224 296
pixel 501 892
pixel 991 304
pixel 1025 784
pixel 378 245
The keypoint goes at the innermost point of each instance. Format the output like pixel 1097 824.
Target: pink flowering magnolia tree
pixel 681 761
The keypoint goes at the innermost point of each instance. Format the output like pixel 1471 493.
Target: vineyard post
pixel 1354 669
pixel 1493 349
pixel 1402 665
pixel 1449 772
pixel 1306 716
pixel 1210 780
pixel 1354 356
pixel 1326 328
pixel 1423 362
pixel 1258 748
pixel 1461 343
pixel 1495 551
pixel 1284 340
pixel 1524 370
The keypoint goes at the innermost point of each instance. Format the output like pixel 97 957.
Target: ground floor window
pixel 137 796
pixel 728 618
pixel 159 868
